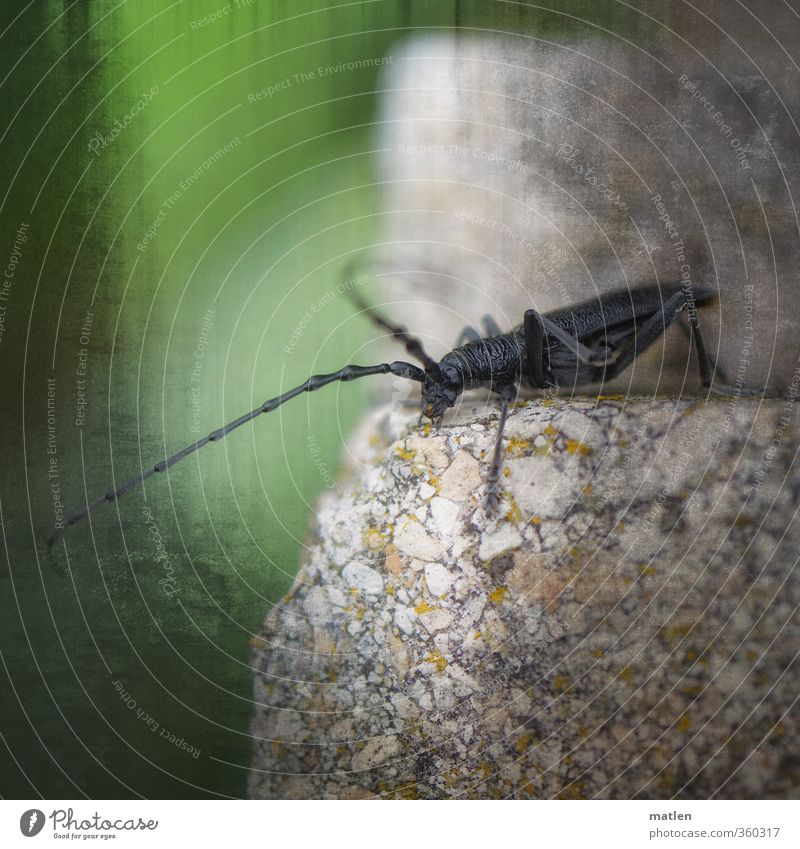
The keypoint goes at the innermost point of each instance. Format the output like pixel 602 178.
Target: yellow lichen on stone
pixel 573 446
pixel 434 482
pixel 423 607
pixel 404 453
pixel 451 778
pixel 673 633
pixel 517 447
pixel 375 538
pixel 402 791
pixel 626 673
pixel 523 743
pixel 497 595
pixel 437 659
pixel 513 514
pixel 573 791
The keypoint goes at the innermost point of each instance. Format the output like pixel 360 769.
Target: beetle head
pixel 440 391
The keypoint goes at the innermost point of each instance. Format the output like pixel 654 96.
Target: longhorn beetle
pixel 572 347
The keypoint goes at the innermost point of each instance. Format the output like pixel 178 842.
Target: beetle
pixel 577 346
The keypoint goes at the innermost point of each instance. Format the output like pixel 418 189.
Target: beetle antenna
pixel 413 345
pixel 317 381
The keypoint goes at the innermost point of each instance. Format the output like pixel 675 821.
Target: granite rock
pixel 625 626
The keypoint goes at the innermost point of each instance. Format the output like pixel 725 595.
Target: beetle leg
pixel 491 326
pixel 468 334
pixel 708 367
pixel 652 330
pixel 534 347
pixel 508 395
pixel 413 345
pixel 582 353
pixel 712 367
pixel 715 367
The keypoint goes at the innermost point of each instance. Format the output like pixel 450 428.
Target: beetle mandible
pixel 576 346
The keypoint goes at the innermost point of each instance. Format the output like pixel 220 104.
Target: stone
pixel 504 538
pixel 445 515
pixel 362 578
pixel 376 752
pixel 462 478
pixel 412 539
pixel 438 579
pixel 636 639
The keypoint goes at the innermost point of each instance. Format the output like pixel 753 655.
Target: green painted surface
pixel 119 667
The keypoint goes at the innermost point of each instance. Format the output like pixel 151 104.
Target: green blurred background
pixel 118 667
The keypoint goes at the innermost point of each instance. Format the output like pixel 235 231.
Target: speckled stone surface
pixel 626 627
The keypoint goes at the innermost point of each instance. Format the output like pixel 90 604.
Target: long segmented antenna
pixel 413 345
pixel 317 381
